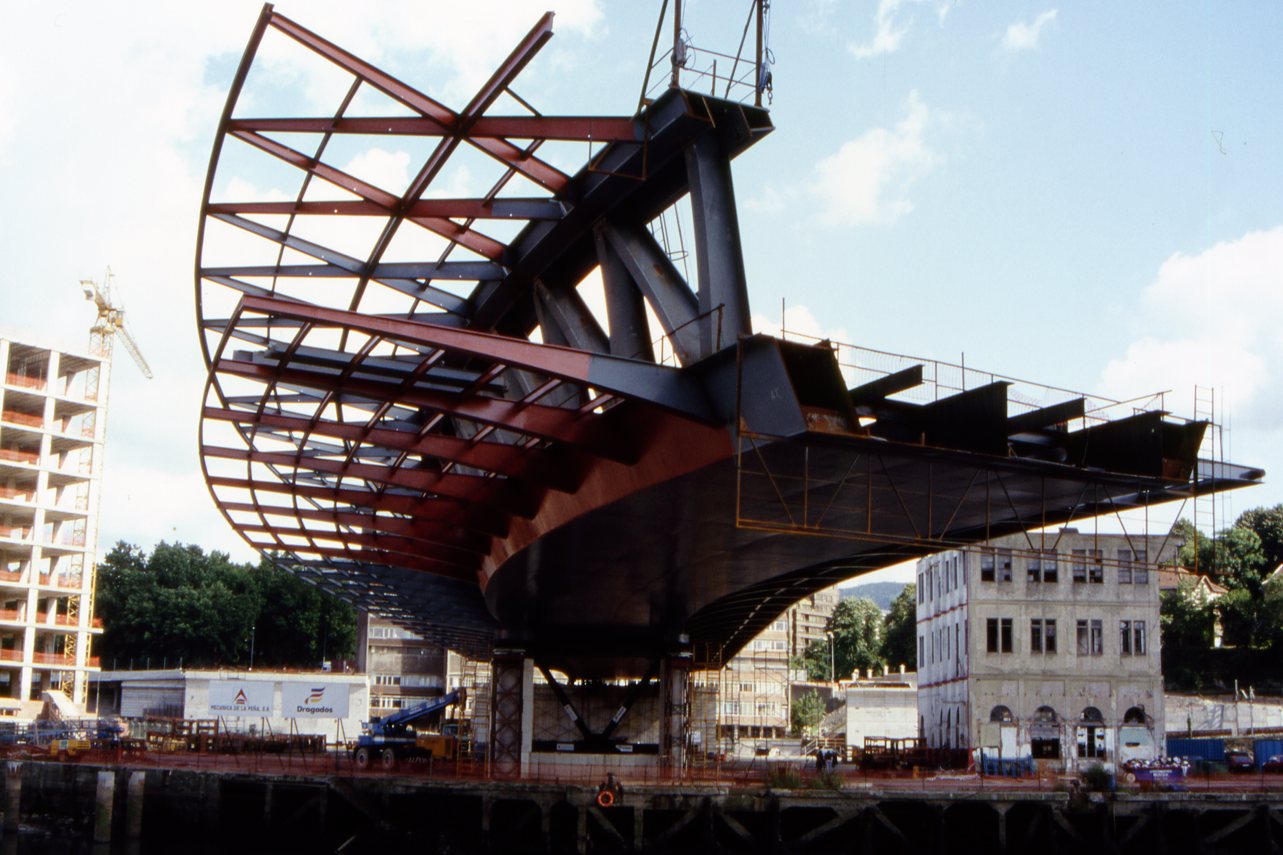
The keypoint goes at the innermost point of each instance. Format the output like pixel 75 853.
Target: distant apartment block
pixel 404 669
pixel 51 448
pixel 755 686
pixel 1045 645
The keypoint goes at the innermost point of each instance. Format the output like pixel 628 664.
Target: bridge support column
pixel 674 689
pixel 512 704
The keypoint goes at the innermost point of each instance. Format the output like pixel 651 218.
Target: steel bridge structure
pixel 411 402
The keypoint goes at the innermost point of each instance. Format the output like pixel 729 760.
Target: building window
pixel 1042 567
pixel 1001 714
pixel 1091 640
pixel 1140 572
pixel 1004 565
pixel 1124 566
pixel 1042 635
pixel 998 635
pixel 986 565
pixel 1125 637
pixel 922 590
pixel 921 650
pixel 1138 638
pixel 1088 566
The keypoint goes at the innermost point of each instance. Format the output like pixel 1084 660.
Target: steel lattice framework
pixel 411 403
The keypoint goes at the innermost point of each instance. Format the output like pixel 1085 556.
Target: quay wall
pixel 367 813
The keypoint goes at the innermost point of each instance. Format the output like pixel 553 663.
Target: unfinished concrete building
pixel 1044 646
pixel 51 447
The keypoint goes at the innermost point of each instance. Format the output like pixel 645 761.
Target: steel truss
pixel 410 403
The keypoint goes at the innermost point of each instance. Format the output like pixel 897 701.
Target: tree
pixel 900 629
pixel 298 623
pixel 856 625
pixel 815 660
pixel 1268 525
pixel 179 604
pixel 1187 623
pixel 805 713
pixel 176 603
pixel 1234 557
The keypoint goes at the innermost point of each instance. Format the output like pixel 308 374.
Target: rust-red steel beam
pixel 391 545
pixel 626 378
pixel 525 208
pixel 450 514
pixel 500 458
pixel 598 129
pixel 500 492
pixel 380 523
pixel 551 423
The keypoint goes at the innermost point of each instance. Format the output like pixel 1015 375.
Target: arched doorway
pixel 1091 734
pixel 1044 734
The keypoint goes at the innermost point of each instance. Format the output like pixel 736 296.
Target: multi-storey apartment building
pixel 51 447
pixel 1042 645
pixel 404 669
pixel 755 685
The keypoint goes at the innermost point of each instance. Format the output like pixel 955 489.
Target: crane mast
pixel 108 326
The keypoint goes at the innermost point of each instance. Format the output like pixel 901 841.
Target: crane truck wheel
pixel 362 758
pixel 387 758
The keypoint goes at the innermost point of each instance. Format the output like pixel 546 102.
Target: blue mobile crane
pixel 393 738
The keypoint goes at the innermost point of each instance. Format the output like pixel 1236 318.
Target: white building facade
pixel 1043 645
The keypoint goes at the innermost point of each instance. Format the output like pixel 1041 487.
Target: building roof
pixel 1170 579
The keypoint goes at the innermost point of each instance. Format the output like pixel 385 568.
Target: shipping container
pixel 1207 750
pixel 1264 749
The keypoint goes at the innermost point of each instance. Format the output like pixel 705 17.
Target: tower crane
pixel 110 324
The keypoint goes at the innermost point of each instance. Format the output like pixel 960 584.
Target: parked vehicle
pixel 394 738
pixel 1239 761
pixel 1273 765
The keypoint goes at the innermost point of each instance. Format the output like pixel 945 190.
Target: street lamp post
pixel 833 671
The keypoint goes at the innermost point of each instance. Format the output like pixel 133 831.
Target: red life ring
pixel 605 798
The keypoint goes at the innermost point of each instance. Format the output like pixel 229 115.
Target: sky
pixel 1089 196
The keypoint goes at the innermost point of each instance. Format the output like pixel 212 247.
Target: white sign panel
pixel 240 698
pixel 314 700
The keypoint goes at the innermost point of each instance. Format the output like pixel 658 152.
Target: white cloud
pixel 1212 320
pixel 1023 35
pixel 815 17
pixel 867 180
pixel 798 320
pixel 891 23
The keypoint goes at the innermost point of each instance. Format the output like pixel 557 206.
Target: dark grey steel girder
pixel 625 306
pixel 669 296
pixel 723 290
pixel 570 313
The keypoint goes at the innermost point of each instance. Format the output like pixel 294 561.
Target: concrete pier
pixel 104 801
pixel 220 809
pixel 12 795
pixel 134 804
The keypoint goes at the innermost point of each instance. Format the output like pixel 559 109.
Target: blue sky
pixel 1089 196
